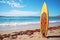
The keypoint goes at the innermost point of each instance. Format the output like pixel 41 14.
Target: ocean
pixel 10 19
pixel 20 22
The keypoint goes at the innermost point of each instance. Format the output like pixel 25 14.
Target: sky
pixel 28 7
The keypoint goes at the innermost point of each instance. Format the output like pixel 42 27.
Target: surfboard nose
pixel 44 8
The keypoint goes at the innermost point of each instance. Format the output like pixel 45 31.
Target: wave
pixel 54 21
pixel 18 23
pixel 25 23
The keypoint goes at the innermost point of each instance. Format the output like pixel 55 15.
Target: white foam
pixel 21 25
pixel 25 23
pixel 54 21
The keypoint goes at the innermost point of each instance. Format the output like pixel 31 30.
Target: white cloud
pixel 13 3
pixel 19 13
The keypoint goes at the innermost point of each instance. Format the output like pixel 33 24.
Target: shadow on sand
pixel 53 36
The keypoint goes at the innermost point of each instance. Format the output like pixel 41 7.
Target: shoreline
pixel 28 32
pixel 50 28
pixel 24 25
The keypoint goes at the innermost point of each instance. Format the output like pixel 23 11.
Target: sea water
pixel 20 22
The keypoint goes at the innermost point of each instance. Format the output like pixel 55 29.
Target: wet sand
pixel 31 34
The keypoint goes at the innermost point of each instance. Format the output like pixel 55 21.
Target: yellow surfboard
pixel 44 20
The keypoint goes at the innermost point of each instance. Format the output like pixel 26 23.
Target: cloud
pixel 19 13
pixel 13 3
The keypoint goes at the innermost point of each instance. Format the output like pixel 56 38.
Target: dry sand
pixel 33 34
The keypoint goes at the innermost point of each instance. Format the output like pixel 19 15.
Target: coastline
pixel 24 25
pixel 28 31
pixel 30 34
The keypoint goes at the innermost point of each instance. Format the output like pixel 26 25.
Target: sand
pixel 31 34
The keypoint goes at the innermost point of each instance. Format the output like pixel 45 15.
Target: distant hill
pixel 58 16
pixel 29 16
pixel 2 16
pixel 55 16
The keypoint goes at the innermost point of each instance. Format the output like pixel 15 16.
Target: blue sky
pixel 28 7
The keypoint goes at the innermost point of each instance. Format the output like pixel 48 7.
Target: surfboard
pixel 44 20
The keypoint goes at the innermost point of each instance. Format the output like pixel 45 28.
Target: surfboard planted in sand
pixel 44 20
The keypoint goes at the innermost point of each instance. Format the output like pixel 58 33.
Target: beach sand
pixel 31 34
